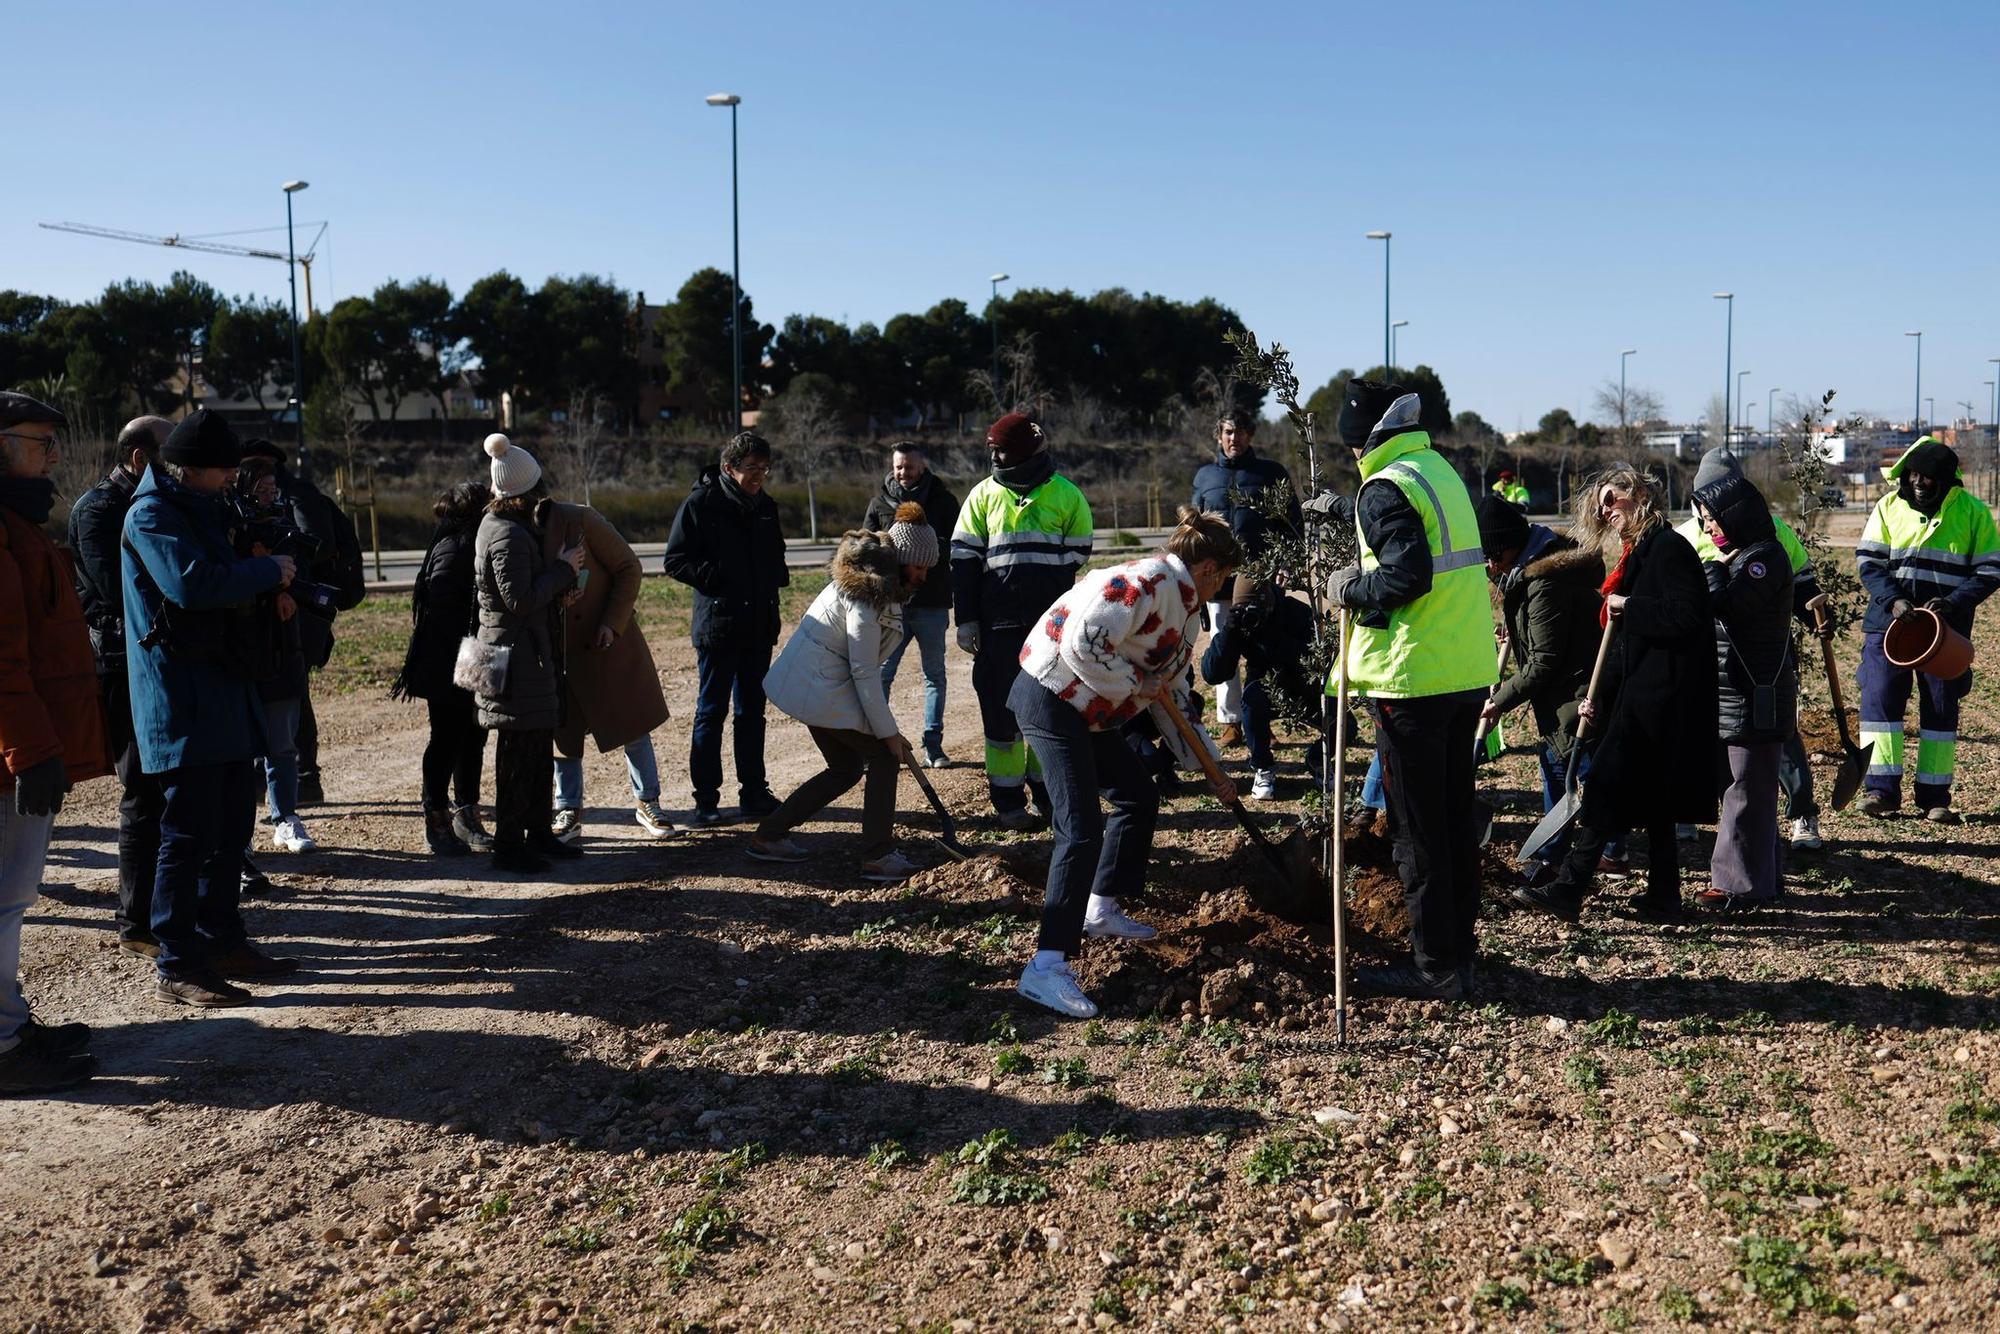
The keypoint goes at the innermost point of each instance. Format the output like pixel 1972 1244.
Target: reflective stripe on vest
pixel 1442 642
pixel 1931 555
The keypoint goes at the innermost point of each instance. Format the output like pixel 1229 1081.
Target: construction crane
pixel 200 244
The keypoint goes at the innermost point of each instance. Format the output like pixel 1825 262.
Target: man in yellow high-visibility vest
pixel 1420 647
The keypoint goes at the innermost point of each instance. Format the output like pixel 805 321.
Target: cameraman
pixel 1270 636
pixel 336 562
pixel 190 613
pixel 266 530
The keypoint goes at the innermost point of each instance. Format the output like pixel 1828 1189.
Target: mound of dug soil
pixel 979 880
pixel 1821 735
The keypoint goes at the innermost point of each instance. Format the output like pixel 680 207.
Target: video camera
pixel 265 531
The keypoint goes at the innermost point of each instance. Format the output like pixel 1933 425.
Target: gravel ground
pixel 675 1089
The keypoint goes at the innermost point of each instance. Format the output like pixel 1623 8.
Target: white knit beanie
pixel 515 471
pixel 913 537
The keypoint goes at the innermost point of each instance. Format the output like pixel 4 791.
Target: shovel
pixel 948 840
pixel 1853 758
pixel 1489 743
pixel 1564 813
pixel 1336 859
pixel 1295 878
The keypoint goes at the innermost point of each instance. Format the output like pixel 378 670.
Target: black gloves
pixel 40 790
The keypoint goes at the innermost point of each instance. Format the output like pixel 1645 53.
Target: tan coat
pixel 614 693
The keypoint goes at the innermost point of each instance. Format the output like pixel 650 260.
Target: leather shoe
pixel 246 960
pixel 54 1039
pixel 548 845
pixel 1412 982
pixel 1555 898
pixel 1664 908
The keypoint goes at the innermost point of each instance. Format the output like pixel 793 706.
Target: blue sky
pixel 1563 180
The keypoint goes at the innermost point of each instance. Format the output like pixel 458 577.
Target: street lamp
pixel 1739 399
pixel 1623 424
pixel 993 322
pixel 1916 407
pixel 1399 324
pixel 732 101
pixel 1388 339
pixel 1993 477
pixel 1728 354
pixel 298 374
pixel 1930 410
pixel 1768 398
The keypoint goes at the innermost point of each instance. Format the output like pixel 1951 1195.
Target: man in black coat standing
pixel 1237 484
pixel 728 546
pixel 927 615
pixel 96 522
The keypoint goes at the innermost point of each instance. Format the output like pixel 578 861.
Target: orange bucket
pixel 1922 640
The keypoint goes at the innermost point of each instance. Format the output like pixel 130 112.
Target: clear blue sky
pixel 1563 180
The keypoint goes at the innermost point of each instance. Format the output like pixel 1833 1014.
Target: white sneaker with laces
pixel 890 868
pixel 290 836
pixel 568 825
pixel 1264 785
pixel 1105 918
pixel 654 820
pixel 1805 833
pixel 1056 987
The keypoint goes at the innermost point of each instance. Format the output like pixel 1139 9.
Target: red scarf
pixel 1612 584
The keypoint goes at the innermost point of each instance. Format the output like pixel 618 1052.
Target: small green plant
pixel 495 1208
pixel 994 1176
pixel 1071 1143
pixel 1003 1029
pixel 1506 1298
pixel 1979 1181
pixel 1614 1028
pixel 1094 1034
pixel 1277 1161
pixel 1585 1074
pixel 1012 1061
pixel 1619 1318
pixel 707 1225
pixel 722 1175
pixel 887 1153
pixel 1678 1305
pixel 1557 1267
pixel 576 1238
pixel 869 932
pixel 1071 1073
pixel 1776 1271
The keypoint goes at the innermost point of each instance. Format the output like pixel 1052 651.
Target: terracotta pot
pixel 1922 640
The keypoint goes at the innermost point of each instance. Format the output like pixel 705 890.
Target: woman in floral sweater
pixel 1107 649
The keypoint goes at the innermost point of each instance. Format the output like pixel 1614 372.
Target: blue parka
pixel 176 548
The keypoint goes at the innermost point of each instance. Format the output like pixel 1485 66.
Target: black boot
pixel 439 835
pixel 465 824
pixel 516 859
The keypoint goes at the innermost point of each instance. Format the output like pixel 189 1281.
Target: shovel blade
pixel 1560 817
pixel 1848 781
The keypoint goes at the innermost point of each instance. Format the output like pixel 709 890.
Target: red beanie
pixel 1016 435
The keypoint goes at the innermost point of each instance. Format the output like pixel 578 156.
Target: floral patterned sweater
pixel 1116 636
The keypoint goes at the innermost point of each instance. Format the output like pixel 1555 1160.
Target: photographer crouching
pixel 194 627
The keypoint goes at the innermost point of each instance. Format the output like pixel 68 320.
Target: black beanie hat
pixel 1502 526
pixel 202 440
pixel 260 448
pixel 1362 408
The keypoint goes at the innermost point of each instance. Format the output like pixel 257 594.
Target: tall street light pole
pixel 1739 399
pixel 1399 324
pixel 1917 407
pixel 1624 422
pixel 1388 349
pixel 1728 355
pixel 993 323
pixel 1768 400
pixel 298 373
pixel 732 101
pixel 1993 477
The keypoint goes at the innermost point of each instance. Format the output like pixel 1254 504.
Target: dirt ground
pixel 669 1088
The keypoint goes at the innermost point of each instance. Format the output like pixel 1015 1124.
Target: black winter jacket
pixel 1233 487
pixel 338 563
pixel 96 524
pixel 1550 608
pixel 1655 751
pixel 941 508
pixel 441 614
pixel 1751 599
pixel 731 551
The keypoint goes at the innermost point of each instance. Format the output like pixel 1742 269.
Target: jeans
pixel 1255 712
pixel 926 626
pixel 455 753
pixel 642 768
pixel 307 739
pixel 1230 695
pixel 522 761
pixel 723 671
pixel 1092 855
pixel 139 808
pixel 1795 777
pixel 210 810
pixel 1555 780
pixel 281 766
pixel 848 755
pixel 1428 774
pixel 1372 795
pixel 24 848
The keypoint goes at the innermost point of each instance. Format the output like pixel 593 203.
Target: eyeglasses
pixel 49 444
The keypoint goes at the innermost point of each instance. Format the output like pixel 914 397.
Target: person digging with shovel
pixel 1108 648
pixel 1654 761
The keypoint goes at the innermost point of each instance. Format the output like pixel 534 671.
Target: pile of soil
pixel 1821 735
pixel 980 880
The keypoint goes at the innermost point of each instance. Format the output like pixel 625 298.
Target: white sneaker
pixel 1805 833
pixel 1264 785
pixel 567 827
pixel 654 820
pixel 290 836
pixel 1056 988
pixel 1113 922
pixel 890 868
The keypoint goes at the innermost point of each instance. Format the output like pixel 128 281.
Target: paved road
pixel 398 570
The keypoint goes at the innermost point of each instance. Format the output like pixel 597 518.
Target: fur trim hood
pixel 1564 558
pixel 866 568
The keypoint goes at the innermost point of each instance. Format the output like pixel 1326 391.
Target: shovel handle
pixel 1817 606
pixel 1194 742
pixel 1596 673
